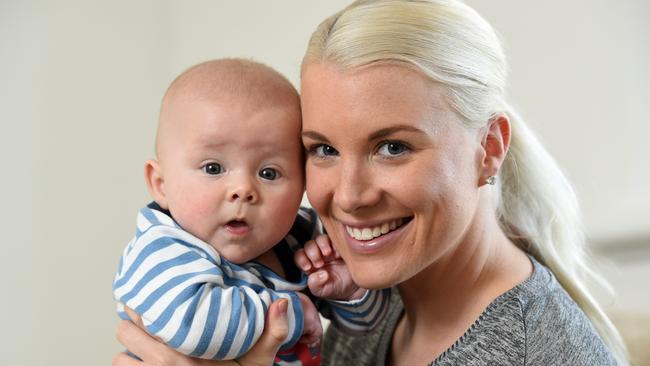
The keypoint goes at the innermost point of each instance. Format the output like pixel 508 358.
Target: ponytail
pixel 538 211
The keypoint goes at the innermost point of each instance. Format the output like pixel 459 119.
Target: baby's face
pixel 233 173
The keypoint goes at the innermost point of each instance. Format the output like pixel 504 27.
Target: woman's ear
pixel 155 182
pixel 495 145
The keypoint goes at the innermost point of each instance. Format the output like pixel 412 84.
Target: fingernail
pixel 282 306
pixel 322 275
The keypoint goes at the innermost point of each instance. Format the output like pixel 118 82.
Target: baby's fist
pixel 328 276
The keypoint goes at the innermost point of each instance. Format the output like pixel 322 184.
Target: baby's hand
pixel 328 276
pixel 313 330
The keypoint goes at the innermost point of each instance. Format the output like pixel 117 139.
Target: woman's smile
pixel 369 232
pixel 371 238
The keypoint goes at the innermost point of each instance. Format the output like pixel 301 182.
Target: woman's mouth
pixel 372 239
pixel 371 232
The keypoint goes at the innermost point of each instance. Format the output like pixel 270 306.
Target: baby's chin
pixel 240 253
pixel 237 257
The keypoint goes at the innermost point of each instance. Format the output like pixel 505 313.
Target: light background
pixel 80 85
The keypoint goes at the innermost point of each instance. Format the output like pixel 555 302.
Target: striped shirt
pixel 204 306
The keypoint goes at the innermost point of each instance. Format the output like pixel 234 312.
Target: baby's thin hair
pixel 218 79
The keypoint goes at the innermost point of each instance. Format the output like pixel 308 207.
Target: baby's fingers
pixel 320 285
pixel 301 260
pixel 313 252
pixel 324 244
pixel 318 278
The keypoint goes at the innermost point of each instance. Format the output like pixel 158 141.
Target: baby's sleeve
pixel 362 315
pixel 356 316
pixel 192 304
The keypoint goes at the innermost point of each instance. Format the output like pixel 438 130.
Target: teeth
pixel 356 233
pixel 368 233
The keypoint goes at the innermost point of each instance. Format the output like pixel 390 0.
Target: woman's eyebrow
pixel 315 136
pixel 391 130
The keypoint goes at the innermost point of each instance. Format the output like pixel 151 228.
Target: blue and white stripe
pixel 193 299
pixel 362 315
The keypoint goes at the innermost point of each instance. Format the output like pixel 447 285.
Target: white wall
pixel 80 85
pixel 580 74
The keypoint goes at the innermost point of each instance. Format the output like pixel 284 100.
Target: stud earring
pixel 491 180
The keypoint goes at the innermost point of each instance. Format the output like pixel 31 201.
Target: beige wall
pixel 79 90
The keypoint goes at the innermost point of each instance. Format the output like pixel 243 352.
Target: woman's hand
pixel 155 353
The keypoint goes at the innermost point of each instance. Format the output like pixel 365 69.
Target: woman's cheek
pixel 318 188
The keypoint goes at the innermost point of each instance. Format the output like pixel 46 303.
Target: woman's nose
pixel 355 189
pixel 242 189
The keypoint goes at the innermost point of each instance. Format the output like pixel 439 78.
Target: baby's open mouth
pixel 236 223
pixel 237 227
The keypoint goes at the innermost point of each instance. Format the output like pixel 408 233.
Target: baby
pixel 217 245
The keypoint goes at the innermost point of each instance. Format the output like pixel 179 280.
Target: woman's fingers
pixel 277 323
pixel 135 317
pixel 122 359
pixel 137 320
pixel 276 331
pixel 139 342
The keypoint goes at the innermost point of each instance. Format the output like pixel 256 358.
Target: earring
pixel 491 180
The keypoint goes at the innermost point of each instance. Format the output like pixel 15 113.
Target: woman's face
pixel 390 170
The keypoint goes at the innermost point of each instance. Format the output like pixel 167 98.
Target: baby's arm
pixel 354 309
pixel 192 304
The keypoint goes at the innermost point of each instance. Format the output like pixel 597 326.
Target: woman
pixel 404 122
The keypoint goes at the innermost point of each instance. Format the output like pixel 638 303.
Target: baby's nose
pixel 243 191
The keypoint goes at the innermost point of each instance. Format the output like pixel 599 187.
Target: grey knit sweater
pixel 535 323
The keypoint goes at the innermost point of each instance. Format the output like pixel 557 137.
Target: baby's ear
pixel 155 182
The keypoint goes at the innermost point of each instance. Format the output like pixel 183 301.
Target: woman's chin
pixel 374 278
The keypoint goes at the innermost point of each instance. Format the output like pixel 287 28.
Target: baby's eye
pixel 213 168
pixel 269 174
pixel 392 149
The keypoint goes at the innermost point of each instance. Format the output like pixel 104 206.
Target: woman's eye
pixel 269 174
pixel 323 150
pixel 391 149
pixel 212 168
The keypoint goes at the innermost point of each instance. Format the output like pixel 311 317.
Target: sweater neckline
pixel 509 294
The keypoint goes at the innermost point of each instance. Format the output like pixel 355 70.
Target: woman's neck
pixel 444 300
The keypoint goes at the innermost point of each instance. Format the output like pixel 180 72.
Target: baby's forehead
pixel 234 123
pixel 230 86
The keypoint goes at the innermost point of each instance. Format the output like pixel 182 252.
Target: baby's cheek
pixel 192 219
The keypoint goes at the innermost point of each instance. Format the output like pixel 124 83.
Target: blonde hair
pixel 453 45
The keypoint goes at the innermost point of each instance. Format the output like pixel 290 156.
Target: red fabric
pixel 301 351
